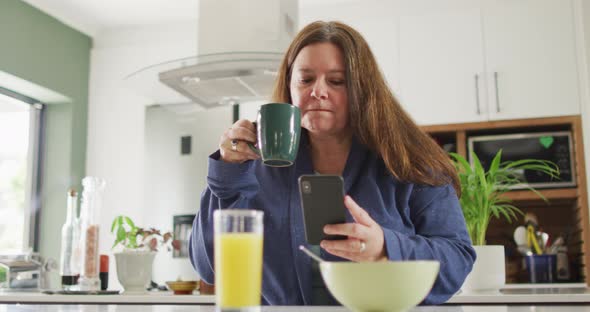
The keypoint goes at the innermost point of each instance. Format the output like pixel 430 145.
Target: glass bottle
pixel 70 236
pixel 89 220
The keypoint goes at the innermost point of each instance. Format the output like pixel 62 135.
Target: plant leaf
pixel 482 191
pixel 121 234
pixel 117 222
pixel 128 221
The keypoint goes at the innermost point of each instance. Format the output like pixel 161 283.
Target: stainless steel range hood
pixel 240 45
pixel 225 78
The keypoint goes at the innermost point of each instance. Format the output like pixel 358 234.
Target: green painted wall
pixel 37 47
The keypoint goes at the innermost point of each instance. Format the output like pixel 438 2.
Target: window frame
pixel 35 174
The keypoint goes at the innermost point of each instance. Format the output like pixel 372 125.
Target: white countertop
pixel 160 297
pixel 528 293
pixel 169 308
pixel 532 294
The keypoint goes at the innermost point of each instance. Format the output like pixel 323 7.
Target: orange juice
pixel 238 269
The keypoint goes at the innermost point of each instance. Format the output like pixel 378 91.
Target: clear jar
pixel 89 230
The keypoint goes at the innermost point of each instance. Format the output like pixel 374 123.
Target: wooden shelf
pixel 552 194
pixel 566 209
pixel 513 124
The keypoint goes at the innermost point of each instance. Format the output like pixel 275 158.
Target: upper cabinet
pixel 373 19
pixel 442 67
pixel 505 59
pixel 530 58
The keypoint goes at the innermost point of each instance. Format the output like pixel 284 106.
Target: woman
pixel 401 187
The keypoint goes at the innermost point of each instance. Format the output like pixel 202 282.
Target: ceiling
pixel 93 16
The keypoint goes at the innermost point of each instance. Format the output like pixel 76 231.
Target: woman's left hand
pixel 365 237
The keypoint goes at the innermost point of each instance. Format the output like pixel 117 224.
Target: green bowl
pixel 380 286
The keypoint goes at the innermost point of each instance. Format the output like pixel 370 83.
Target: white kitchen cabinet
pixel 374 20
pixel 505 59
pixel 441 67
pixel 530 58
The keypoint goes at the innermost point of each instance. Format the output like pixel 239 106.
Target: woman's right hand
pixel 241 133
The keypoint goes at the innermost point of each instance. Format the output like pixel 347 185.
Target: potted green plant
pixel 137 249
pixel 482 198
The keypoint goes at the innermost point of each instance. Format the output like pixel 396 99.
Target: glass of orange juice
pixel 238 244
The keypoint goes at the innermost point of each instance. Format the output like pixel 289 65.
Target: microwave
pixel 552 146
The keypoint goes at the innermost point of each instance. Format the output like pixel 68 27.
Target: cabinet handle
pixel 477 94
pixel 497 92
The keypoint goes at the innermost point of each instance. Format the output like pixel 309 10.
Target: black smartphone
pixel 322 202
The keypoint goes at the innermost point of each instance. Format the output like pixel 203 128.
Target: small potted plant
pixel 483 197
pixel 138 247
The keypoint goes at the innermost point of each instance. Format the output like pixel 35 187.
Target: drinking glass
pixel 238 242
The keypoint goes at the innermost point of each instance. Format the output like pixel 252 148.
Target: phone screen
pixel 322 202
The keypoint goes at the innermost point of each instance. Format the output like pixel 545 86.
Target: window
pixel 21 121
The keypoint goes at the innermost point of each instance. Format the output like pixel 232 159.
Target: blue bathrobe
pixel 418 221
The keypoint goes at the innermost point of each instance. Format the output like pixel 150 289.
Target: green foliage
pixel 130 236
pixel 482 192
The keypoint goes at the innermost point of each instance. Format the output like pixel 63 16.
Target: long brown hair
pixel 376 117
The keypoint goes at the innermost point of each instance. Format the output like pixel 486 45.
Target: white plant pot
pixel 134 270
pixel 489 272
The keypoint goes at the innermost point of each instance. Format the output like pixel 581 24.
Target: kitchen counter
pixel 519 294
pixel 163 297
pixel 172 308
pixel 529 293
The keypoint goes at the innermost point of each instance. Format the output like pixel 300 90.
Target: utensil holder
pixel 542 268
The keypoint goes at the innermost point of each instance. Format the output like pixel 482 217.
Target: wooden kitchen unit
pixel 566 211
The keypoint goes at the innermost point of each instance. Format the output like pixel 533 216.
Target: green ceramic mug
pixel 278 128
